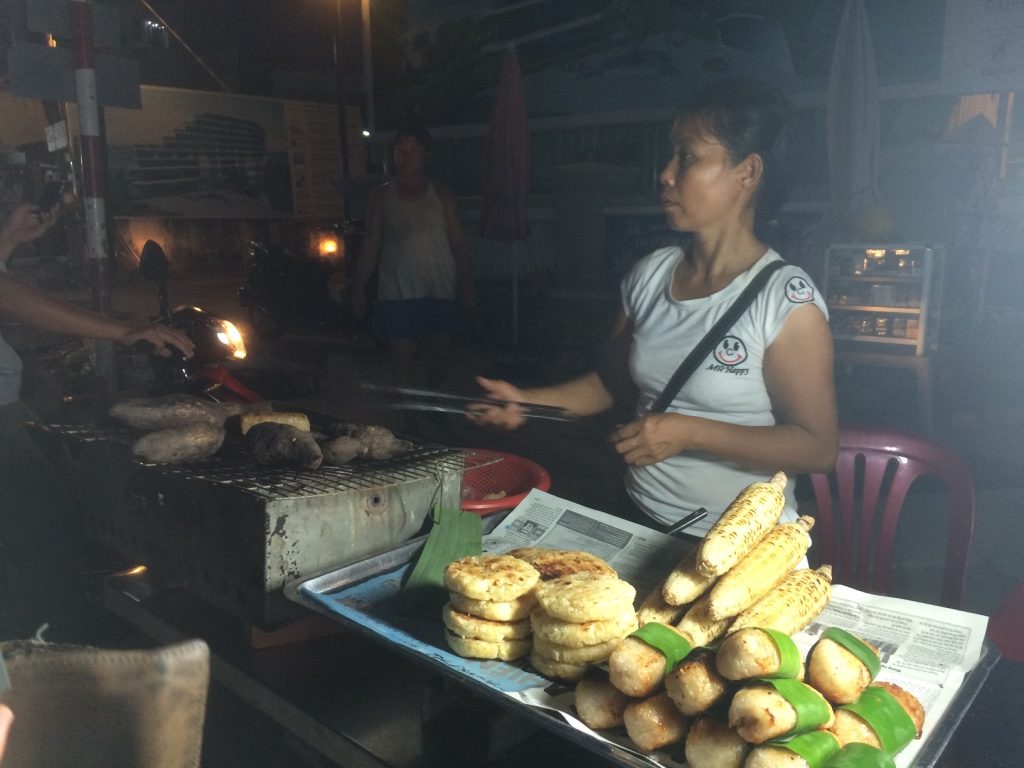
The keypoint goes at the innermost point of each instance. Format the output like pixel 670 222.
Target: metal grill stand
pixel 233 532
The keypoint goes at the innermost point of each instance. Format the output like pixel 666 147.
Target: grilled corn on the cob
pixel 685 583
pixel 654 608
pixel 744 523
pixel 760 570
pixel 699 626
pixel 792 605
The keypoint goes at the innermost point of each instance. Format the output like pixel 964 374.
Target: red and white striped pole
pixel 91 143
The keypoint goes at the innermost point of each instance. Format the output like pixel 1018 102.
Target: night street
pixel 414 383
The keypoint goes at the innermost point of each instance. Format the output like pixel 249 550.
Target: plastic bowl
pixel 494 472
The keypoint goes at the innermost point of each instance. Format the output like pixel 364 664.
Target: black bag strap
pixel 712 337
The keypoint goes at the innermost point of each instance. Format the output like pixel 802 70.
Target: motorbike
pixel 216 340
pixel 288 289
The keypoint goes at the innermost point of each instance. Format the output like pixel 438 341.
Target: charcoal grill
pixel 234 532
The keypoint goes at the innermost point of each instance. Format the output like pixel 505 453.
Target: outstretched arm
pixel 39 310
pixel 587 395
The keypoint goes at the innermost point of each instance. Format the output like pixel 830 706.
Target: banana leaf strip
pixel 811 708
pixel 857 755
pixel 864 652
pixel 661 638
pixel 890 721
pixel 454 535
pixel 789 654
pixel 815 747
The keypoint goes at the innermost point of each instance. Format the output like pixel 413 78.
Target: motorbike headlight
pixel 231 337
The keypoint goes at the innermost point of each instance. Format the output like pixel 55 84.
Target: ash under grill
pixel 235 532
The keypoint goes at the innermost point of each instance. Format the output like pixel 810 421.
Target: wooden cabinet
pixel 884 296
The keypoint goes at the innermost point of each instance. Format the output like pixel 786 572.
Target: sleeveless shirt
pixel 416 259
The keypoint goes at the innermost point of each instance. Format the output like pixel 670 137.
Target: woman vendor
pixel 764 399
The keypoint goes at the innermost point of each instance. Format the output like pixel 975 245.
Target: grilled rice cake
pixel 495 610
pixel 553 563
pixel 491 577
pixel 581 597
pixel 575 634
pixel 558 670
pixel 584 654
pixel 484 629
pixel 473 648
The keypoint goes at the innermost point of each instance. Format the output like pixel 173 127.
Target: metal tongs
pixel 443 402
pixel 694 517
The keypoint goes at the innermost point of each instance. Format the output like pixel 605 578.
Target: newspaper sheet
pixel 924 648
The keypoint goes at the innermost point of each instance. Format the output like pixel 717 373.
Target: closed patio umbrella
pixel 503 216
pixel 852 120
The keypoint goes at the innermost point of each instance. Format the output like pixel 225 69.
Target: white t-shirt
pixel 729 386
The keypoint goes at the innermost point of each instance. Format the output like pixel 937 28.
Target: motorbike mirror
pixel 153 261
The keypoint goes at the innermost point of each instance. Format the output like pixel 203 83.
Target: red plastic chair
pixel 1006 627
pixel 859 505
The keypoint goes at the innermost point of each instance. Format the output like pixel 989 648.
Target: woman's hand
pixel 651 439
pixel 26 223
pixel 509 416
pixel 163 337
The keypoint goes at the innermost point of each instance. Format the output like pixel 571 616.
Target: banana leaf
pixel 455 534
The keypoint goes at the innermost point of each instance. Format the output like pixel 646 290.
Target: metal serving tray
pixel 422 640
pixel 357 596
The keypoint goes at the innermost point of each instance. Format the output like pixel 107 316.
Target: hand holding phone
pixel 51 196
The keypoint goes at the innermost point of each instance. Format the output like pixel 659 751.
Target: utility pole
pixel 368 68
pixel 339 74
pixel 90 130
pixel 91 140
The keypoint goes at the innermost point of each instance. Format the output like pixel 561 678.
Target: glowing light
pixel 328 246
pixel 138 570
pixel 231 337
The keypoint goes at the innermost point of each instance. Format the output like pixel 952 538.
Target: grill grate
pixel 233 466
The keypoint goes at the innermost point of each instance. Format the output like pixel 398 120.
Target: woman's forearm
pixel 788 447
pixel 584 396
pixel 31 307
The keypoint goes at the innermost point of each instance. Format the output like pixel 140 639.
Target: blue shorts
pixel 412 318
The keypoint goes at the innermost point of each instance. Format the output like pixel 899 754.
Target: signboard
pixel 195 155
pixel 983 50
pixel 314 157
pixel 53 17
pixel 39 72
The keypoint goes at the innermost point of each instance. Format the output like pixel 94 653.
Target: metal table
pixel 327 595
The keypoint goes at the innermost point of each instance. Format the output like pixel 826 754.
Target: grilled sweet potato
pixel 177 444
pixel 283 445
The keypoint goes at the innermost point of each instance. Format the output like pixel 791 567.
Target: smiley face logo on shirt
pixel 799 291
pixel 730 351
